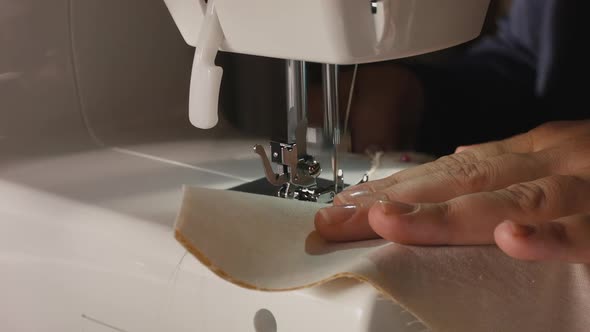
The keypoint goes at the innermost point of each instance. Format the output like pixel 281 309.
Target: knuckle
pixel 538 135
pixel 473 176
pixel 530 196
pixel 552 193
pixel 455 160
pixel 391 180
pixel 549 128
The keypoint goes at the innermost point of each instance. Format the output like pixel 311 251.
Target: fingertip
pixel 327 219
pixel 319 225
pixel 521 241
pixel 506 241
pixel 343 223
pixel 389 225
pixel 319 219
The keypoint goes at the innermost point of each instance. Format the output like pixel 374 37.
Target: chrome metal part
pixel 274 179
pixel 297 171
pixel 297 105
pixel 332 118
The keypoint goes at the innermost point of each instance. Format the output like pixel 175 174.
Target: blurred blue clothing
pixel 527 73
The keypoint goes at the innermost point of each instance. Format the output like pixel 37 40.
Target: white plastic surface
pixel 206 77
pixel 338 31
pixel 188 14
pixel 327 31
pixel 87 244
pixel 204 96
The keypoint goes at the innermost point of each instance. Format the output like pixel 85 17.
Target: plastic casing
pixel 336 31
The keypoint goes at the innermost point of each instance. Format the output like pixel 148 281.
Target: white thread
pixel 375 162
pixel 350 94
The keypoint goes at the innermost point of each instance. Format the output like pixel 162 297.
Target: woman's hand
pixel 529 194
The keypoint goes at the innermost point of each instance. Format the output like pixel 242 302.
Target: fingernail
pixel 521 230
pixel 360 197
pixel 391 207
pixel 336 214
pixel 346 197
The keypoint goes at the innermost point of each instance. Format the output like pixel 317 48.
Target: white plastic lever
pixel 206 77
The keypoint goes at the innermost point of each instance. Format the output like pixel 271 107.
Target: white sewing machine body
pixel 335 31
pixel 328 31
pixel 95 147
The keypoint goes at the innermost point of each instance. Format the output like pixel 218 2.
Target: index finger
pixel 470 219
pixel 517 144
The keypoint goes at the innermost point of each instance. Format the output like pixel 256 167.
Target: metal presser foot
pixel 297 175
pixel 299 179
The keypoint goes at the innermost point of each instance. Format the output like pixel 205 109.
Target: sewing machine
pixel 91 96
pixel 331 32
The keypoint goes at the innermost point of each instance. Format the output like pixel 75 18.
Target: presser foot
pixel 322 193
pixel 299 176
pixel 317 194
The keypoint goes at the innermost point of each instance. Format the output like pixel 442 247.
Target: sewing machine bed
pixel 87 244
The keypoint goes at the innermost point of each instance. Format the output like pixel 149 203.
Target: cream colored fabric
pixel 266 243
